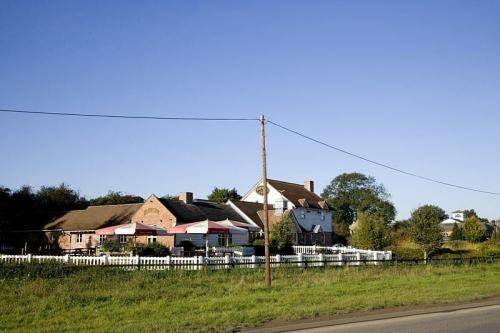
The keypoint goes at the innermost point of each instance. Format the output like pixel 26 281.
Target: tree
pixel 371 232
pixel 351 193
pixel 5 204
pixel 472 229
pixel 425 230
pixel 222 195
pixel 116 198
pixel 281 236
pixel 472 213
pixel 59 198
pixel 456 233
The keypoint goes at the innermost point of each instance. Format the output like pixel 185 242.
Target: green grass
pixel 108 300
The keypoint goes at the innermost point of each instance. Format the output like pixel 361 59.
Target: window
pixel 224 239
pixel 79 237
pixel 151 239
pixel 122 239
pixel 102 239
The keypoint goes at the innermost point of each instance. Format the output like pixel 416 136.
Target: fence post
pixel 358 258
pixel 200 263
pixel 67 258
pixel 278 260
pixel 28 257
pixel 254 260
pixel 168 262
pixel 341 259
pixel 300 259
pixel 321 259
pixel 105 260
pixel 138 262
pixel 227 261
pixel 314 249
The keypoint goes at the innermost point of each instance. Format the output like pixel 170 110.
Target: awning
pixel 133 229
pixel 207 227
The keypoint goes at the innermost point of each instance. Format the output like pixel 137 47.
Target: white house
pixel 309 212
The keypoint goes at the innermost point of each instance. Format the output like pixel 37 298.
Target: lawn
pixel 98 299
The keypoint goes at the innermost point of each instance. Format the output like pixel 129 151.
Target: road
pixel 484 319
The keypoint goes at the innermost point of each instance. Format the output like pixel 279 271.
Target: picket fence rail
pixel 199 262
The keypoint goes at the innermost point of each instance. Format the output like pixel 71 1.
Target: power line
pixel 378 163
pixel 99 115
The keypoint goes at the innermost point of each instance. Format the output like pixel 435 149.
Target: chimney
pixel 187 197
pixel 309 185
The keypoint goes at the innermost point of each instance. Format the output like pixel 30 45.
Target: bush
pixel 187 245
pixel 110 245
pixel 406 253
pixel 371 232
pixel 152 250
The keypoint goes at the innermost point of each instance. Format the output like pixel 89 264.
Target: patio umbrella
pixel 140 229
pixel 243 225
pixel 133 229
pixel 207 227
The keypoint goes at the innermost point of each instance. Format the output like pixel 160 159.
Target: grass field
pixel 97 299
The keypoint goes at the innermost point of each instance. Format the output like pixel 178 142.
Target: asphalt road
pixel 484 319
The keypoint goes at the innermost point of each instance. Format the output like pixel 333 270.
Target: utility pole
pixel 267 264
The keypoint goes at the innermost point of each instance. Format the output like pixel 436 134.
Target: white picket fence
pixel 348 251
pixel 199 262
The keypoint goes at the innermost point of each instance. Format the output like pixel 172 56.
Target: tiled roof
pixel 251 209
pixel 94 217
pixel 200 210
pixel 295 192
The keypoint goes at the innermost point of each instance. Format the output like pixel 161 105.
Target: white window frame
pixel 122 239
pixel 79 238
pixel 102 239
pixel 151 239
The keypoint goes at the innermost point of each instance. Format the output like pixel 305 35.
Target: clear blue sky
pixel 413 84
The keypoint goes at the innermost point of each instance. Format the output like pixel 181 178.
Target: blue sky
pixel 411 84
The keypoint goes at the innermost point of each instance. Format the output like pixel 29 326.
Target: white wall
pixel 314 217
pixel 272 196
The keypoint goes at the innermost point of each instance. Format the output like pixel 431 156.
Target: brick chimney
pixel 309 185
pixel 187 197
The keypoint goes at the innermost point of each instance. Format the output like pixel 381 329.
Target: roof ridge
pixel 283 181
pixel 125 204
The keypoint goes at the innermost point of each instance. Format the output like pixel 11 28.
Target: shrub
pixel 472 229
pixel 152 250
pixel 371 232
pixel 110 245
pixel 281 237
pixel 187 245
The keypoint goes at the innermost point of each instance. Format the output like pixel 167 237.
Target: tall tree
pixel 222 195
pixel 351 193
pixel 116 198
pixel 472 229
pixel 456 233
pixel 425 230
pixel 371 232
pixel 59 198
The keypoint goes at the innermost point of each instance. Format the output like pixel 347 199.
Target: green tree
pixel 222 195
pixel 472 229
pixel 352 193
pixel 425 230
pixel 59 198
pixel 116 198
pixel 281 236
pixel 371 232
pixel 456 233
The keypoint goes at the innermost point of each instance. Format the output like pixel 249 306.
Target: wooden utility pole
pixel 267 264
